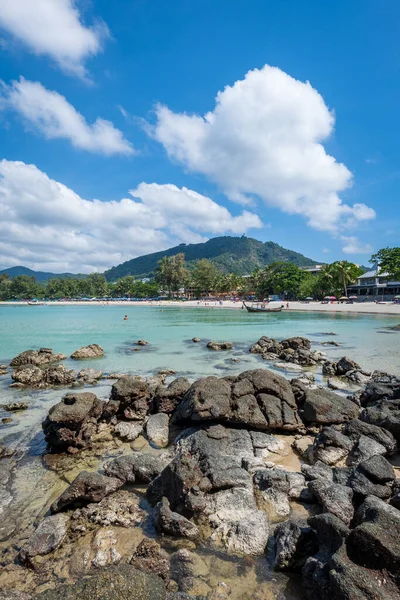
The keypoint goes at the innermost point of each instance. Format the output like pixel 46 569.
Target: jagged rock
pixel 6 451
pixel 86 487
pixel 151 558
pixel 294 543
pixel 318 470
pixel 325 407
pixel 129 431
pixel 265 443
pixel 196 340
pixel 381 399
pixel 130 397
pixel 346 364
pixel 142 343
pixel 86 352
pixel 47 537
pixel 167 399
pixel 37 358
pixel 356 428
pixel 90 375
pixel 364 485
pixel 173 523
pixel 364 448
pixel 48 376
pixel 260 399
pixel 116 582
pixel 377 469
pixel 121 509
pixel 157 430
pixel 374 542
pixel 220 345
pixel 104 548
pixel 334 498
pixel 186 567
pixel 248 535
pixel 71 423
pixel 143 467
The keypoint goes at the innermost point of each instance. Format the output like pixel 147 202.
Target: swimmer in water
pixel 125 317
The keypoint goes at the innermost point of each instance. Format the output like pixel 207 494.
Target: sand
pixel 386 308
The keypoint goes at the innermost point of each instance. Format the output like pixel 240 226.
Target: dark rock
pixel 377 469
pixel 319 470
pixel 346 364
pixel 334 498
pixel 15 406
pixel 364 487
pixel 86 352
pixel 357 428
pixel 325 407
pixel 47 537
pixel 274 488
pixel 151 558
pixel 141 467
pixel 130 397
pixel 167 399
pixel 37 358
pixel 86 487
pixel 31 376
pixel 374 542
pixel 299 391
pixel 363 449
pixel 196 340
pixel 120 582
pixel 220 345
pixel 331 446
pixel 294 543
pixel 71 423
pixel 173 523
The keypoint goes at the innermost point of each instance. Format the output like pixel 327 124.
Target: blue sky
pixel 113 144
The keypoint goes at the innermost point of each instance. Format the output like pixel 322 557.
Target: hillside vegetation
pixel 240 255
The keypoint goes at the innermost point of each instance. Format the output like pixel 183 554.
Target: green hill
pixel 39 275
pixel 240 255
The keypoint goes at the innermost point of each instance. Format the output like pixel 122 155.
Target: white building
pixel 375 285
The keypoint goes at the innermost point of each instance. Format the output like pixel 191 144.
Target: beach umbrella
pixel 343 298
pixel 309 298
pixel 397 297
pixel 330 298
pixel 353 297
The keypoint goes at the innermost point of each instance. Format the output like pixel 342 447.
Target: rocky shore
pixel 224 488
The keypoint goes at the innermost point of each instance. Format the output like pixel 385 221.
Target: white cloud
pixel 50 114
pixel 354 246
pixel 45 225
pixel 53 28
pixel 264 139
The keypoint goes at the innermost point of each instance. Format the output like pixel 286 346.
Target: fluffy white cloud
pixel 45 225
pixel 53 116
pixel 53 28
pixel 264 139
pixel 354 246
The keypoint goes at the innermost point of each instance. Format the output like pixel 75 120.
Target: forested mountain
pixel 39 275
pixel 240 255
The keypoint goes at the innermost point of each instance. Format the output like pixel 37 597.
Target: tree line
pixel 174 278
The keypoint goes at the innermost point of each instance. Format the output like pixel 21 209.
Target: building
pixel 373 285
pixel 314 270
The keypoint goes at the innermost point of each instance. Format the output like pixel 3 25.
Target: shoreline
pixel 388 309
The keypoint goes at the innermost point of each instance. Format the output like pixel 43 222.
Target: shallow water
pixel 365 338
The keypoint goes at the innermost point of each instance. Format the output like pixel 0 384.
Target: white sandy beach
pixel 356 308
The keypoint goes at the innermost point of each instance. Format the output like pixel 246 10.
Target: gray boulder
pixel 88 352
pixel 37 358
pixel 325 407
pixel 356 428
pixel 275 488
pixel 86 487
pixel 157 430
pixel 220 345
pixel 168 398
pixel 294 543
pixel 89 376
pixel 137 466
pixel 129 431
pixel 378 469
pixel 330 446
pixel 43 377
pixel 71 423
pixel 334 498
pixel 130 398
pixel 364 448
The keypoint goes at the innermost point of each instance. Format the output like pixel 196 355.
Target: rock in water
pixel 173 523
pixel 86 487
pixel 157 429
pixel 118 582
pixel 43 377
pixel 37 358
pixel 130 398
pixel 47 537
pixel 91 351
pixel 220 345
pixel 90 375
pixel 151 558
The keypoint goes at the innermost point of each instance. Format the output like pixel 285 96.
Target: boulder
pixel 377 469
pixel 87 352
pixel 168 398
pixel 15 406
pixel 37 358
pixel 137 466
pixel 356 428
pixel 346 364
pixel 86 487
pixel 294 543
pixel 363 486
pixel 364 448
pixel 334 498
pixel 116 582
pixel 319 470
pixel 90 376
pixel 48 376
pixel 259 399
pixel 47 537
pixel 173 523
pixel 196 340
pixel 129 431
pixel 71 423
pixel 130 398
pixel 220 345
pixel 142 343
pixel 274 488
pixel 325 407
pixel 330 446
pixel 157 430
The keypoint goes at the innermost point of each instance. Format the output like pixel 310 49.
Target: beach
pixel 388 308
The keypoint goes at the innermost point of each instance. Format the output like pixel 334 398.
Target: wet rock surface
pixel 88 352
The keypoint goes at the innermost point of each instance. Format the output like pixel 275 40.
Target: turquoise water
pixel 169 331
